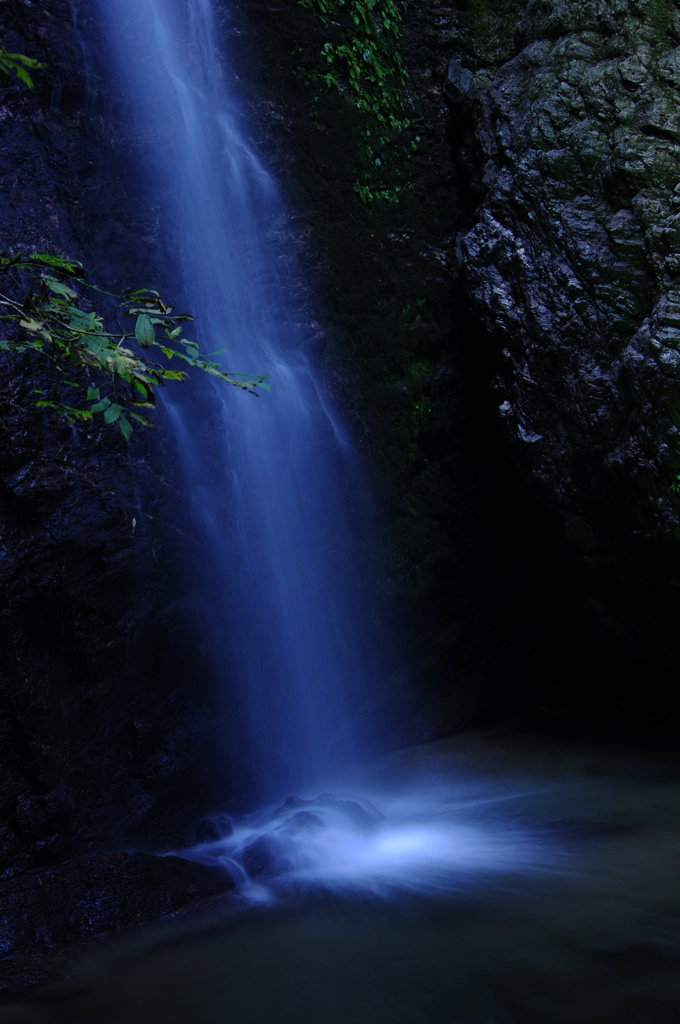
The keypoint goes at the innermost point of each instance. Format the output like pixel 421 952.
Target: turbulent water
pixel 420 836
pixel 271 481
pixel 508 883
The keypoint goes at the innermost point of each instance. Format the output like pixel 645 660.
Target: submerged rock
pixel 267 856
pixel 303 823
pixel 360 815
pixel 217 826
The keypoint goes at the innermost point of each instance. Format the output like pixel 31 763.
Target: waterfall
pixel 271 481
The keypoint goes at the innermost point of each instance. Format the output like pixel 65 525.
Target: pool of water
pixel 485 880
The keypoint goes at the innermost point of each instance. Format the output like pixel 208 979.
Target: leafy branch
pixel 19 65
pixel 45 307
pixel 363 62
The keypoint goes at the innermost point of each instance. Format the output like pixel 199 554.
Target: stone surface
pixel 268 855
pixel 52 913
pixel 106 720
pixel 460 82
pixel 572 267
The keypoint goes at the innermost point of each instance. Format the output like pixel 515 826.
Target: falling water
pixel 271 480
pixel 271 483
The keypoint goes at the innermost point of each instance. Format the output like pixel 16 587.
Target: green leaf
pixel 22 74
pixel 17 63
pixel 100 406
pixel 125 427
pixel 144 420
pixel 31 325
pixel 144 331
pixel 81 322
pixel 113 413
pixel 96 344
pixel 92 394
pixel 58 262
pixel 58 287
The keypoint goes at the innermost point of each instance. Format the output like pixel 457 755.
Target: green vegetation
pixel 361 61
pixel 43 303
pixel 18 65
pixel 488 30
pixel 46 309
pixel 661 15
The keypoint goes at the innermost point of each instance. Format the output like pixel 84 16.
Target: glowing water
pixel 272 481
pixel 270 484
pixel 579 923
pixel 412 843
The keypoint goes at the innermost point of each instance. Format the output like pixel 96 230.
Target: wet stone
pixel 302 823
pixel 206 831
pixel 266 856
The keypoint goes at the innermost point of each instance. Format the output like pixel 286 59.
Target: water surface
pixel 511 883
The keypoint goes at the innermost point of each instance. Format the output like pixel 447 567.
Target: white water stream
pixel 271 486
pixel 271 481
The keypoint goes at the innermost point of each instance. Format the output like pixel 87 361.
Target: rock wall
pixel 572 265
pixel 107 723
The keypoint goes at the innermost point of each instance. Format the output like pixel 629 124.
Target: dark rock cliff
pixel 106 726
pixel 572 265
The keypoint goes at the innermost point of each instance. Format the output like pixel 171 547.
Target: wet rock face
pixel 105 714
pixel 573 269
pixel 103 709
